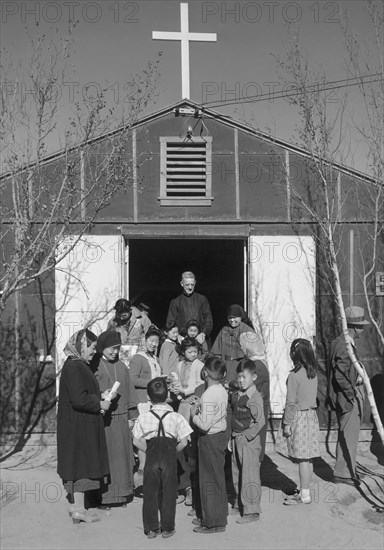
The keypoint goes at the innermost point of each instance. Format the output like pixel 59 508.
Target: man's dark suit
pixel 347 398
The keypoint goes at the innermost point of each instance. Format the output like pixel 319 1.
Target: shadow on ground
pixel 274 478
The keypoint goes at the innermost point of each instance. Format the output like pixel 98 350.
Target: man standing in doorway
pixel 346 394
pixel 191 305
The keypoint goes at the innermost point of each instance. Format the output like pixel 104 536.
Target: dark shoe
pixel 347 480
pixel 208 530
pixel 188 497
pixel 153 534
pixel 167 534
pixel 196 521
pixel 292 493
pixel 248 518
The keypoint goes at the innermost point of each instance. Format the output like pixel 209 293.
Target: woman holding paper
pixel 82 457
pixel 119 419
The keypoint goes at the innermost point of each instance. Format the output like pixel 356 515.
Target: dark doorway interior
pixel 155 267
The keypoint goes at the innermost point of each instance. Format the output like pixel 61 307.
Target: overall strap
pixel 161 427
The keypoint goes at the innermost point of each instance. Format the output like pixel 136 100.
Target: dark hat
pixel 108 339
pixel 355 316
pixel 235 311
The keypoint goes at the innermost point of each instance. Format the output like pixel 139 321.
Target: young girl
pixel 193 329
pixel 210 418
pixel 186 379
pixel 299 438
pixel 188 375
pixel 168 356
pixel 144 366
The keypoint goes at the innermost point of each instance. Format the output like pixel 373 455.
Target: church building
pixel 212 195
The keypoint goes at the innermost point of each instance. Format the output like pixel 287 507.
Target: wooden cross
pixel 185 37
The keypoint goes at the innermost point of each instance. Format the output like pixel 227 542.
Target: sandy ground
pixel 34 511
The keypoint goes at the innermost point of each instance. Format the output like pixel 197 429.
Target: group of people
pixel 181 405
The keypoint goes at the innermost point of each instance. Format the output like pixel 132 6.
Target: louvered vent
pixel 185 171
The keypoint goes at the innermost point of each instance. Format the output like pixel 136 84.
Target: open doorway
pixel 155 267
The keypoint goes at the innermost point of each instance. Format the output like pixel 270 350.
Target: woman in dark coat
pixel 82 457
pixel 118 420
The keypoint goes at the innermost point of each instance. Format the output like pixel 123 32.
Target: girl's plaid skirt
pixel 303 443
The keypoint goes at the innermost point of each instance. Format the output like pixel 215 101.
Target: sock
pixel 305 495
pixel 78 504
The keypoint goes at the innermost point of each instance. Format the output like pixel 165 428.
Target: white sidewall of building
pixel 88 281
pixel 282 281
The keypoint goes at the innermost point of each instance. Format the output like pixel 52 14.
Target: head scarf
pixel 79 342
pixel 108 339
pixel 235 311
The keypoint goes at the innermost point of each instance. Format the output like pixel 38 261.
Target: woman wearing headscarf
pixel 118 420
pixel 82 457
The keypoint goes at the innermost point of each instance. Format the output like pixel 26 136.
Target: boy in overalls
pixel 161 433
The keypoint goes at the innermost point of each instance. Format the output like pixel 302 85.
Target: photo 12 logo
pixel 238 92
pixel 54 12
pixel 270 12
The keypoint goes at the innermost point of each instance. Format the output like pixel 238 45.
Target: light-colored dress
pixel 300 413
pixel 189 377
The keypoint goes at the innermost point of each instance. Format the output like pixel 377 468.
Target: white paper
pixel 114 388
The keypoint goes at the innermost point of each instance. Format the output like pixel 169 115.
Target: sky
pixel 113 40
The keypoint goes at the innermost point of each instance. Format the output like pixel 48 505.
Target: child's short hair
pixel 215 368
pixel 246 364
pixel 157 390
pixel 193 323
pixel 188 342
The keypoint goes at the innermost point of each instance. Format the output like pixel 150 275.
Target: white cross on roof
pixel 185 37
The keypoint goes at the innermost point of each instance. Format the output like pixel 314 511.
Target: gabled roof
pixel 208 113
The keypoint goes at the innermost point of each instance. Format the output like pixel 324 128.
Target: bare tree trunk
pixel 357 365
pixel 16 329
